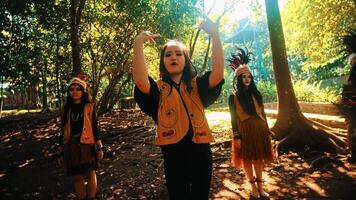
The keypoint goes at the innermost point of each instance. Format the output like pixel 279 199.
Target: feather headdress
pixel 239 60
pixel 240 57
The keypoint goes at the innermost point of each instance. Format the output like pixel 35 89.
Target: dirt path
pixel 133 167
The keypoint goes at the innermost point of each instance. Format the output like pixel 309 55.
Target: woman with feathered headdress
pixel 251 143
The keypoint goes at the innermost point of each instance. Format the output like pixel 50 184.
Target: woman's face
pixel 75 92
pixel 246 79
pixel 174 60
pixel 353 61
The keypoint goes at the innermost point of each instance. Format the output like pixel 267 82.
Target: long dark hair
pixel 189 71
pixel 245 93
pixel 69 101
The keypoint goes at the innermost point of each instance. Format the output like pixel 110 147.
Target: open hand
pixel 145 36
pixel 208 26
pixel 100 154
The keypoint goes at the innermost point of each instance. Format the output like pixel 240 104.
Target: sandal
pixel 260 188
pixel 254 195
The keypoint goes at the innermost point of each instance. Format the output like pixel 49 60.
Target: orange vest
pixel 87 136
pixel 242 115
pixel 173 119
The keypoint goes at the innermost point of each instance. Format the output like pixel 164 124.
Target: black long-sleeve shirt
pixel 77 121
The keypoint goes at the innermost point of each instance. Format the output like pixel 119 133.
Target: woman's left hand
pixel 209 26
pixel 100 154
pixel 237 143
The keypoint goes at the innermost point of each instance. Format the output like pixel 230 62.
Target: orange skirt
pixel 255 143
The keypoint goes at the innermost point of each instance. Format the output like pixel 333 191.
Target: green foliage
pixel 175 18
pixel 36 33
pixel 227 88
pixel 267 90
pixel 34 42
pixel 331 69
pixel 253 36
pixel 312 92
pixel 320 91
pixel 313 29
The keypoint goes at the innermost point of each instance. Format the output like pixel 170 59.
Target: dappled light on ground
pixel 133 166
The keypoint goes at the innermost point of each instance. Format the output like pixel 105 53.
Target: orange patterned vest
pixel 173 119
pixel 87 136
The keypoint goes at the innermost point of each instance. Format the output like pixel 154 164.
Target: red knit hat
pixel 78 81
pixel 242 69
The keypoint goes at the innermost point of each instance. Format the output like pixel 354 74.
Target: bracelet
pixel 236 135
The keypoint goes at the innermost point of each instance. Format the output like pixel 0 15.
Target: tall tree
pixel 291 127
pixel 76 9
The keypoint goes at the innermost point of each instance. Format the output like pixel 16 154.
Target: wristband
pixel 237 135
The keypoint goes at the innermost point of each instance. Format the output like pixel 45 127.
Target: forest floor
pixel 133 167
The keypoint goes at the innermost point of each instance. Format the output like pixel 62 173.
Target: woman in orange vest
pixel 251 143
pixel 176 103
pixel 80 139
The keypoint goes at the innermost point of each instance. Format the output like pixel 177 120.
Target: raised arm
pixel 217 73
pixel 139 67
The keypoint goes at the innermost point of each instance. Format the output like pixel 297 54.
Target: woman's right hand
pixel 209 26
pixel 145 36
pixel 237 143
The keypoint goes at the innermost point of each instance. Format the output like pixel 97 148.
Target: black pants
pixel 188 168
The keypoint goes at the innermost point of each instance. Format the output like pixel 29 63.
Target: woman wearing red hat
pixel 79 134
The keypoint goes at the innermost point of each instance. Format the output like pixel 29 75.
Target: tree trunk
pixel 103 104
pixel 76 10
pixel 192 45
pixel 57 66
pixel 1 94
pixel 205 64
pixel 32 96
pixel 292 129
pixel 115 98
pixel 44 90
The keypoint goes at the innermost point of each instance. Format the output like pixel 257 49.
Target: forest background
pixel 38 36
pixel 44 43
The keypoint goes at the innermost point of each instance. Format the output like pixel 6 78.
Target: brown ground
pixel 133 167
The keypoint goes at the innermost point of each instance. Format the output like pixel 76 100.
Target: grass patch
pixel 15 112
pixel 220 124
